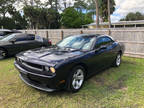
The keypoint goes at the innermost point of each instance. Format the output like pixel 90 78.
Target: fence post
pixel 35 32
pixel 47 35
pixel 81 32
pixel 109 31
pixel 62 34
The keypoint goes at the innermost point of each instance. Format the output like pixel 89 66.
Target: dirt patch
pixel 119 84
pixel 129 62
pixel 1 98
pixel 98 80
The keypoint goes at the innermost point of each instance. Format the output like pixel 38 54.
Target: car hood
pixel 52 55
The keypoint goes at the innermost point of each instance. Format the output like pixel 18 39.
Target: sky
pixel 123 7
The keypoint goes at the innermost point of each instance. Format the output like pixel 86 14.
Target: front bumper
pixel 41 82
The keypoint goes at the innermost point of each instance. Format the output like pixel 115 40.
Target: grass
pixel 121 87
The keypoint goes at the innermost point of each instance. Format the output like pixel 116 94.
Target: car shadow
pixel 7 58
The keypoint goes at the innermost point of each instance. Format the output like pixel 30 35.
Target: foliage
pixel 74 19
pixel 14 20
pixel 103 11
pixel 42 17
pixel 5 6
pixel 80 5
pixel 47 15
pixel 133 16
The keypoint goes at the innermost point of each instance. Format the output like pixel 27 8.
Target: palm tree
pixel 109 19
pixel 97 13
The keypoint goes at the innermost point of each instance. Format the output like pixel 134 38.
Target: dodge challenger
pixel 14 43
pixel 69 63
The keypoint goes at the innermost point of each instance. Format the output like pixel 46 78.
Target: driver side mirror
pixel 12 40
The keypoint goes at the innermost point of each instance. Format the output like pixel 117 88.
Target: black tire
pixel 72 77
pixel 3 54
pixel 117 61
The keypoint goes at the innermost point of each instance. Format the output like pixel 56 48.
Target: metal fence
pixel 133 39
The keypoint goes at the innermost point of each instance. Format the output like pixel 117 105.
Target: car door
pixel 28 42
pixel 105 49
pixel 17 45
pixel 110 51
pixel 33 43
pixel 21 44
pixel 98 58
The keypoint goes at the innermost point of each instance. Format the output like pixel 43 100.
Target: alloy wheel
pixel 118 60
pixel 78 79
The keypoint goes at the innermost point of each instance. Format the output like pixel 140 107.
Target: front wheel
pixel 76 79
pixel 117 60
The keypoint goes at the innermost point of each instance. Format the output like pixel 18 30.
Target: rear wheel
pixel 76 79
pixel 3 54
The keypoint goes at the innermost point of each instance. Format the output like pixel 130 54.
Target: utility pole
pixel 97 14
pixel 109 18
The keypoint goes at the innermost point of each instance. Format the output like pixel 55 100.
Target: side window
pixel 21 39
pixel 26 38
pixel 103 41
pixel 30 37
pixel 107 40
pixel 100 41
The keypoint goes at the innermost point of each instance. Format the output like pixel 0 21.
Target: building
pixel 120 24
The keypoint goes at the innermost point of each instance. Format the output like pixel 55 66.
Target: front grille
pixel 33 68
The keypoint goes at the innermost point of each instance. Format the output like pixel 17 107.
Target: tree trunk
pixel 109 19
pixel 97 14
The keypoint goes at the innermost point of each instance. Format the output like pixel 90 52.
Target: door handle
pixel 103 47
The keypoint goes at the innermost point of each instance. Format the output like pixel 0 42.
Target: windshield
pixel 77 42
pixel 7 37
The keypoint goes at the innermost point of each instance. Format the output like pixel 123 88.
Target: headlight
pixel 46 68
pixel 52 70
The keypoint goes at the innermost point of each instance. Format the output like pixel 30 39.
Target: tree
pixel 72 18
pixel 5 6
pixel 109 18
pixel 9 17
pixel 80 5
pixel 133 16
pixel 19 20
pixel 97 13
pixel 103 8
pixel 42 17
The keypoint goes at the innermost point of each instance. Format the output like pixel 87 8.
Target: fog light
pixel 46 68
pixel 52 70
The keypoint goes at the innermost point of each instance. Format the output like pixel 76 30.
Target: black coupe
pixel 67 64
pixel 14 43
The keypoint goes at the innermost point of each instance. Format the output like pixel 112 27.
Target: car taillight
pixel 49 41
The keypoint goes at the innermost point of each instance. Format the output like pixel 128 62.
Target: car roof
pixel 5 30
pixel 93 35
pixel 16 31
pixel 21 34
